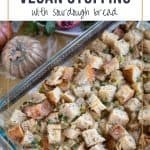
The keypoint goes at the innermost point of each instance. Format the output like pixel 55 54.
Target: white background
pixel 3 9
pixel 131 11
pixel 146 10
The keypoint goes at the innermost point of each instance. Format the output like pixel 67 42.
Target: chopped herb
pixel 106 50
pixel 50 121
pixel 75 146
pixel 36 144
pixel 63 118
pixel 131 49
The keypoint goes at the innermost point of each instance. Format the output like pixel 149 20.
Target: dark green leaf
pixel 86 24
pixel 32 28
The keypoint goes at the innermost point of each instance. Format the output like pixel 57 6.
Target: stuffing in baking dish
pixel 95 104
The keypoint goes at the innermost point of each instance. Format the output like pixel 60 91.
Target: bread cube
pixel 68 96
pixel 71 133
pixel 144 116
pixel 85 76
pixel 56 76
pixel 124 94
pixel 98 147
pixel 17 117
pixel 109 38
pixel 53 117
pixel 97 45
pixel 147 87
pixel 85 121
pixel 92 137
pixel 121 47
pixel 68 73
pixel 54 133
pixel 127 142
pixel 118 116
pixel 146 46
pixel 82 91
pixel 95 61
pixel 107 92
pixel 69 110
pixel 54 95
pixel 131 73
pixel 27 139
pixel 95 104
pixel 111 66
pixel 45 144
pixel 133 105
pixel 117 131
pixel 29 125
pixel 38 97
pixel 16 133
pixel 133 37
pixel 38 111
pixel 147 34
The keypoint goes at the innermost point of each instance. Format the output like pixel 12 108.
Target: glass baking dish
pixel 16 97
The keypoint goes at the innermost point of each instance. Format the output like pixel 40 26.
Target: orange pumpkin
pixel 21 55
pixel 6 33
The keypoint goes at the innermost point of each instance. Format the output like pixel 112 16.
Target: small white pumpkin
pixel 21 55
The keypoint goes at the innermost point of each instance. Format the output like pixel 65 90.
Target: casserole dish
pixel 64 57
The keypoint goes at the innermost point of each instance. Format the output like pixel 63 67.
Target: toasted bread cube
pixel 85 76
pixel 68 96
pixel 127 142
pixel 117 131
pixel 81 146
pixel 29 125
pixel 111 66
pixel 147 34
pixel 65 85
pixel 45 144
pixel 133 37
pixel 98 147
pixel 16 133
pixel 144 115
pixel 118 116
pixel 56 76
pixel 69 110
pixel 85 121
pixel 124 94
pixel 92 137
pixel 121 47
pixel 146 98
pixel 133 105
pixel 131 73
pixel 109 38
pixel 147 87
pixel 27 139
pixel 17 117
pixel 53 117
pixel 38 97
pixel 95 61
pixel 54 133
pixel 97 45
pixel 147 67
pixel 146 46
pixel 95 104
pixel 38 111
pixel 107 92
pixel 68 73
pixel 54 95
pixel 71 133
pixel 82 91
